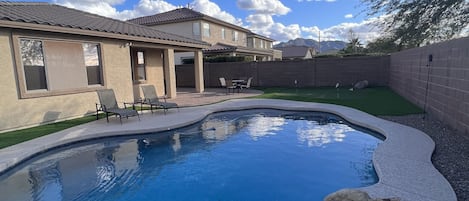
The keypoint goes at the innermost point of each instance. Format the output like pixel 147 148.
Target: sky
pixel 281 20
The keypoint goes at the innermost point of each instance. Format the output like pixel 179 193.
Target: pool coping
pixel 402 161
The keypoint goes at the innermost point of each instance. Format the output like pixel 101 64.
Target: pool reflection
pixel 98 169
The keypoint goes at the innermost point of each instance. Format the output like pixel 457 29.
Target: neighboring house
pixel 54 58
pixel 225 38
pixel 297 52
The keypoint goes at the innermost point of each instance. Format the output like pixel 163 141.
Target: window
pixel 140 66
pixel 262 44
pixel 196 29
pixel 235 36
pixel 206 27
pixel 92 63
pixel 223 36
pixel 32 57
pixel 57 67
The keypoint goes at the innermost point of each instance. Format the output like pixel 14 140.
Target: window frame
pixel 20 74
pixel 136 66
pixel 223 34
pixel 196 29
pixel 206 30
pixel 235 36
pixel 100 66
pixel 23 66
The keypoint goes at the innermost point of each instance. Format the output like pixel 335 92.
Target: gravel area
pixel 451 155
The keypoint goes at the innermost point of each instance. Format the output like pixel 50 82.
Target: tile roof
pixel 220 47
pixel 176 15
pixel 225 48
pixel 294 51
pixel 52 16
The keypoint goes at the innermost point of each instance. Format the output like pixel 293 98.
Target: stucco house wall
pixel 23 112
pixel 186 29
pixel 179 28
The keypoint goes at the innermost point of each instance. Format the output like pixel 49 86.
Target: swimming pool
pixel 242 155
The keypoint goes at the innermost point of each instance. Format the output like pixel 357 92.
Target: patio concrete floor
pixel 402 161
pixel 187 97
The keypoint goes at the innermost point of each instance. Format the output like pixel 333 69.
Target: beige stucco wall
pixel 216 37
pixel 17 112
pixel 257 43
pixel 180 28
pixel 185 29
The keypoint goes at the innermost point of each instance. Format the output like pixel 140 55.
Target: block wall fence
pixel 434 77
pixel 307 73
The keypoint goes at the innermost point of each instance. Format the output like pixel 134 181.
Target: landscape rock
pixel 354 195
pixel 361 85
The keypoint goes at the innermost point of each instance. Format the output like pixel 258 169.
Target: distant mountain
pixel 326 46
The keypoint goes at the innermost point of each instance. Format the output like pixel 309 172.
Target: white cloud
pixel 348 16
pixel 260 21
pixel 212 9
pixel 106 7
pixel 145 7
pixel 272 7
pixel 316 0
pixel 264 24
pixel 366 31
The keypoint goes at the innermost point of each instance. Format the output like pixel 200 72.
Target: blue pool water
pixel 242 155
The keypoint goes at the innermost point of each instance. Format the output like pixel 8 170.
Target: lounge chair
pixel 247 85
pixel 152 99
pixel 108 104
pixel 228 85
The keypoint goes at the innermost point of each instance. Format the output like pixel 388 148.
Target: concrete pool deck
pixel 402 161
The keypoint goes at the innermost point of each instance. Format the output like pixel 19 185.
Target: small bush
pixel 219 59
pixel 188 61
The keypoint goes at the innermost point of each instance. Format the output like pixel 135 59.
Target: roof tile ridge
pixel 25 3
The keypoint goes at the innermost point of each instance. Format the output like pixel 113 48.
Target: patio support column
pixel 170 73
pixel 199 71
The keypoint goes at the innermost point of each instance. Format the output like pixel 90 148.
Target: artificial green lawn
pixel 18 136
pixel 376 101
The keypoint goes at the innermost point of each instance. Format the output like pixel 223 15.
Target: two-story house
pixel 225 38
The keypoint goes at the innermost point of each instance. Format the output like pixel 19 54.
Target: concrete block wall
pixel 441 85
pixel 308 73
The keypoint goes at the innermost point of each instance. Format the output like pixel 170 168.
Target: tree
pixel 353 46
pixel 382 45
pixel 412 23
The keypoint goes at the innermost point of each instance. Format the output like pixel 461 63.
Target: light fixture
pixel 127 44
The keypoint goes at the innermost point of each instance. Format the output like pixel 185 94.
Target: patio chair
pixel 108 105
pixel 149 92
pixel 228 85
pixel 247 85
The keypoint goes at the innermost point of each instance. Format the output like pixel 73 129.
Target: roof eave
pixel 56 29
